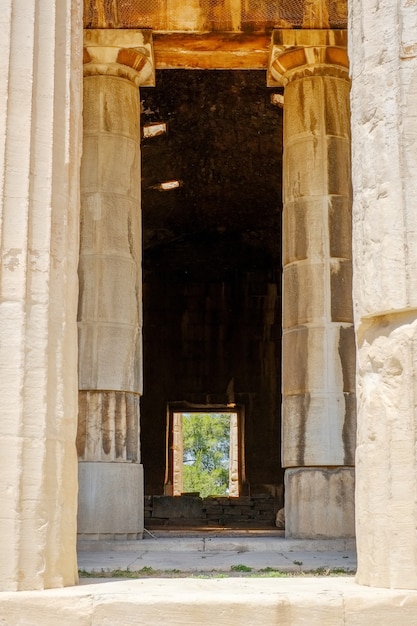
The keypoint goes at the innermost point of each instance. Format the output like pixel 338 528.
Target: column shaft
pixel 110 300
pixel 318 437
pixel 384 147
pixel 318 374
pixel 110 272
pixel 40 147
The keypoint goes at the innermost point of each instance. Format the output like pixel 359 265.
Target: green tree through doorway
pixel 206 439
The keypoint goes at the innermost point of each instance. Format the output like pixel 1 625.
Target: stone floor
pixel 225 552
pixel 195 596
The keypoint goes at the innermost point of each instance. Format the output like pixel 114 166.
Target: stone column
pixel 40 148
pixel 383 53
pixel 318 439
pixel 116 62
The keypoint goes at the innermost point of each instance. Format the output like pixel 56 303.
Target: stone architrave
pixel 40 151
pixel 383 57
pixel 116 63
pixel 319 416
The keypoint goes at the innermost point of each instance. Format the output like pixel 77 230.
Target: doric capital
pixel 297 53
pixel 124 53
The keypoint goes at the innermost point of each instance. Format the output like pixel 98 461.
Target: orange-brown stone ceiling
pixel 249 16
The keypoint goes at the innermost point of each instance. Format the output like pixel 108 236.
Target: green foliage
pixel 206 453
pixel 240 568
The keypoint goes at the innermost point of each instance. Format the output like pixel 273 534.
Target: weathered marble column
pixel 116 62
pixel 40 149
pixel 383 54
pixel 318 439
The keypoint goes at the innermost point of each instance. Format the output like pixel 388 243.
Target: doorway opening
pixel 209 454
pixel 211 203
pixel 205 451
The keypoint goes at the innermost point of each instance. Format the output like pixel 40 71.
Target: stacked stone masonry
pixel 215 511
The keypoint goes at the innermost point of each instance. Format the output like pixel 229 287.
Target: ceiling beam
pixel 211 51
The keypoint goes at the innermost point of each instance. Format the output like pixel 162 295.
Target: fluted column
pixel 384 148
pixel 110 302
pixel 40 148
pixel 318 438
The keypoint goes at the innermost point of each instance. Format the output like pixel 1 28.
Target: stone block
pixel 110 498
pixel 120 157
pixel 108 426
pixel 177 507
pixel 113 101
pixel 295 359
pixel 338 166
pixel 341 290
pixel 299 180
pixel 316 430
pixel 319 502
pixel 109 226
pixel 318 358
pixel 311 97
pixel 304 296
pixel 347 352
pixel 295 232
pixel 340 227
pixel 214 511
pixel 239 501
pixel 89 174
pixel 115 343
pixel 386 453
pixel 295 601
pixel 92 102
pixel 336 103
pixel 305 229
pixel 116 302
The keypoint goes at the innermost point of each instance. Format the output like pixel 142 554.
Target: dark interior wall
pixel 212 261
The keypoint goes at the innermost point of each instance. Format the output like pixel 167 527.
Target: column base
pixel 110 501
pixel 319 503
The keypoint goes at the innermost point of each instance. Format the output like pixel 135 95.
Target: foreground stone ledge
pixel 283 602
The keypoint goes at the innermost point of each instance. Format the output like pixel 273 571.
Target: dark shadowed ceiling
pixel 224 147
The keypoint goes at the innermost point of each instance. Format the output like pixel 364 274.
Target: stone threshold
pixel 224 602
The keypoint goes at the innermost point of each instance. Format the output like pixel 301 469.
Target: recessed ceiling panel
pixel 208 15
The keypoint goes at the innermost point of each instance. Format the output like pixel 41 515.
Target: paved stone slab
pixel 223 602
pixel 218 554
pixel 217 561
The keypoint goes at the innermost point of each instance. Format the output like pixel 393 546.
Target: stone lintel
pixel 294 53
pixel 126 53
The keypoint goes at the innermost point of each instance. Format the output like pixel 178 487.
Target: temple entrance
pixel 211 199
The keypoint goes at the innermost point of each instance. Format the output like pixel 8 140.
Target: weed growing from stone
pixel 240 568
